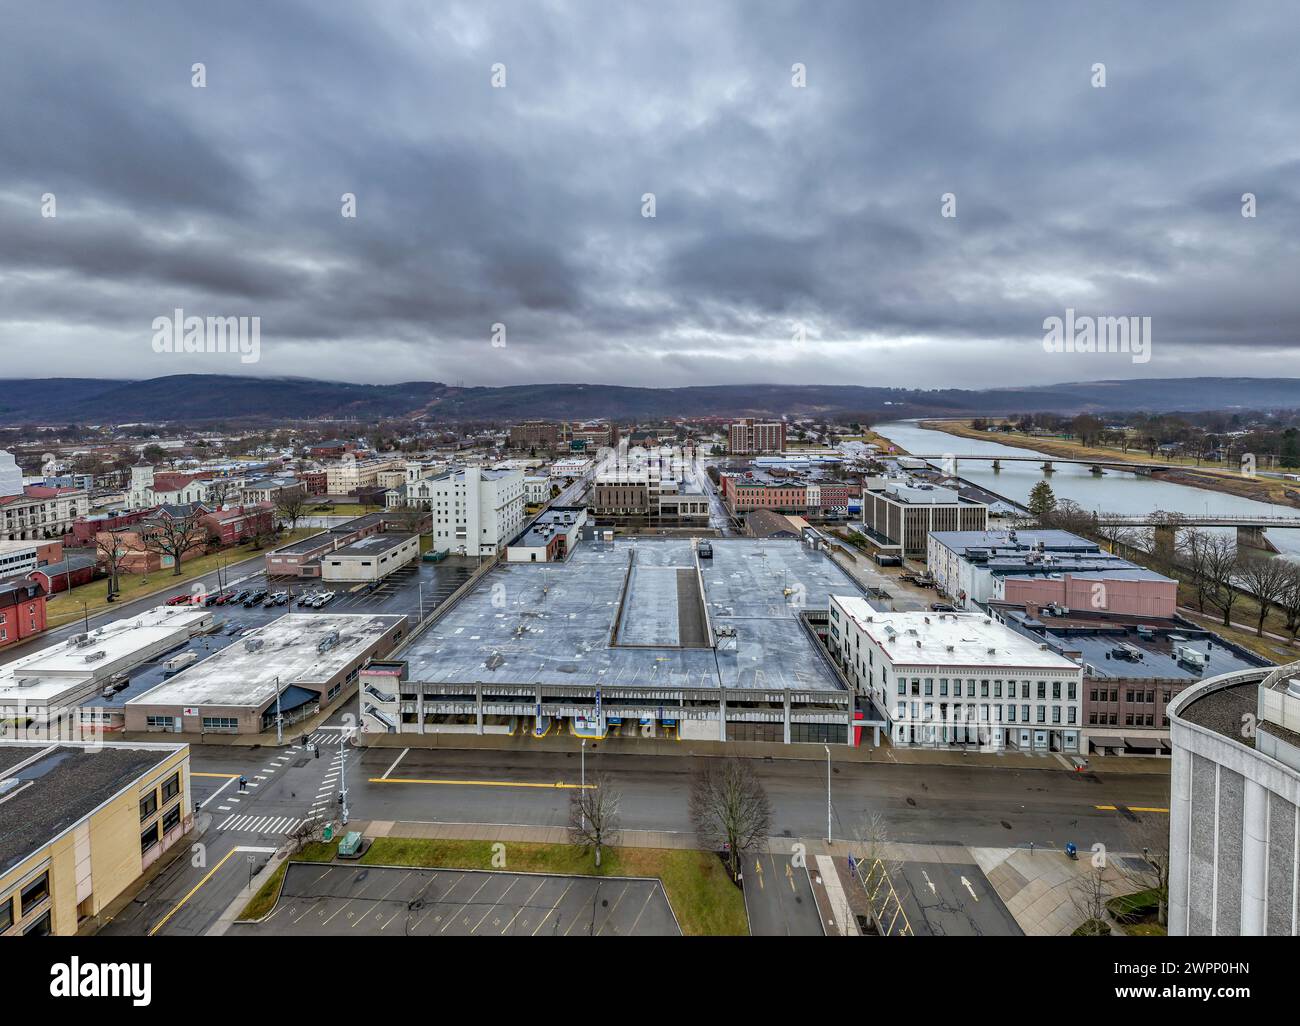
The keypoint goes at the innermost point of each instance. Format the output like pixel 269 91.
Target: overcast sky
pixel 776 206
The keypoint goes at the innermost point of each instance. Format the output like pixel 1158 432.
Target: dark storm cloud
pixel 778 209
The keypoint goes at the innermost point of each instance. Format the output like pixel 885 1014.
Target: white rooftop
pixel 949 639
pixel 243 675
pixel 45 675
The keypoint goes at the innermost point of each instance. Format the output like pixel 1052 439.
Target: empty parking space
pixel 351 900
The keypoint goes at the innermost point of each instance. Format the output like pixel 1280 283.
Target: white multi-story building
pixel 537 490
pixel 958 678
pixel 349 474
pixel 35 512
pixel 475 512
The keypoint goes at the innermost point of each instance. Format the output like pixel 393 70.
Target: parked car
pixel 232 628
pixel 179 600
pixel 942 607
pixel 243 595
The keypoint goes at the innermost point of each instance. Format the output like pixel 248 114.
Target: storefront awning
pixel 1149 744
pixel 1107 742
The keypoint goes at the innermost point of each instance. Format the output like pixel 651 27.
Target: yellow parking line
pixel 1131 808
pixel 478 783
pixel 176 908
pixel 1106 808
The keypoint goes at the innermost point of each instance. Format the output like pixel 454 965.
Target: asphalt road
pixel 977 805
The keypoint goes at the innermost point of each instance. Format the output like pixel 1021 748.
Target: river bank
pixel 1259 489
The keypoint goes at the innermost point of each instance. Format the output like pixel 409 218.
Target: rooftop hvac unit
pixel 329 641
pixel 253 644
pixel 94 657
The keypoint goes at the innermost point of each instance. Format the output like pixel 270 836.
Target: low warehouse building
pixel 370 559
pixel 301 663
pixel 82 823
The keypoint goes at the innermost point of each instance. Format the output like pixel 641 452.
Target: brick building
pixel 22 610
pixel 749 436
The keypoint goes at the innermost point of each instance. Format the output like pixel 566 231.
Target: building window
pixel 148 838
pixel 171 818
pixel 34 893
pixel 171 787
pixel 6 914
pixel 220 723
pixel 148 805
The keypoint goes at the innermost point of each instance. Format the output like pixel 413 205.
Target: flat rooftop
pixel 373 545
pixel 310 544
pixel 47 674
pixel 551 622
pixel 950 639
pixel 56 786
pixel 244 676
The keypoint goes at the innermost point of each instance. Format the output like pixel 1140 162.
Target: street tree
pixel 291 505
pixel 594 814
pixel 729 809
pixel 174 537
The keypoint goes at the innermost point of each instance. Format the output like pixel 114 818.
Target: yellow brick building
pixel 79 823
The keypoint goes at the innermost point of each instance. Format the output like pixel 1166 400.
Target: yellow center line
pixel 478 783
pixel 222 776
pixel 1131 808
pixel 163 922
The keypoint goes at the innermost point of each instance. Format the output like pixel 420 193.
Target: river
pixel 1115 492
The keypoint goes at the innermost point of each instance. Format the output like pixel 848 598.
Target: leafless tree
pixel 175 536
pixel 594 814
pixel 111 550
pixel 219 490
pixel 1150 836
pixel 409 517
pixel 1088 895
pixel 1265 579
pixel 1192 548
pixel 729 808
pixel 1220 563
pixel 291 505
pixel 304 834
pixel 1289 601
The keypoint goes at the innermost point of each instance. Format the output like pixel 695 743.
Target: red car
pixel 179 600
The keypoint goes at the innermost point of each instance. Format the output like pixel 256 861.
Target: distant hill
pixel 207 398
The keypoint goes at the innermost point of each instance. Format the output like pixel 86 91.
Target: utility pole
pixel 279 720
pixel 343 776
pixel 581 804
pixel 828 793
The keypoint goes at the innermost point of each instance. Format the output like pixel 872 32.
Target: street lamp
pixel 279 720
pixel 828 793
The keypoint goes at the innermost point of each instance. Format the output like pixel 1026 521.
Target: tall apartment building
pixel 475 512
pixel 1234 815
pixel 749 436
pixel 901 515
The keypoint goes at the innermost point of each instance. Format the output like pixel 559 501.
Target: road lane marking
pixel 478 783
pixel 390 769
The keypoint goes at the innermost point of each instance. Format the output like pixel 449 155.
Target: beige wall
pixel 112 835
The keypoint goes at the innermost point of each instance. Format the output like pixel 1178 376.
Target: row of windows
pixel 1130 695
pixel 927 687
pixel 945 714
pixel 171 787
pixel 1130 719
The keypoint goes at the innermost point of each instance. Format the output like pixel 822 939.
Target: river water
pixel 1115 492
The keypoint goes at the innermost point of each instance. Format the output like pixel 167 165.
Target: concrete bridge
pixel 949 461
pixel 1250 530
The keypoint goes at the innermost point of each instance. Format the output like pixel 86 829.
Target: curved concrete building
pixel 1235 790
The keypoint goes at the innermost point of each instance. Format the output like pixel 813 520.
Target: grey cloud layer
pixel 776 206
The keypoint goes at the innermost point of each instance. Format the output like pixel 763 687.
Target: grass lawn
pixel 264 900
pixel 67 606
pixel 347 509
pixel 705 901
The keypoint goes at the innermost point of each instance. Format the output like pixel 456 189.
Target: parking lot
pixel 411 590
pixel 352 900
